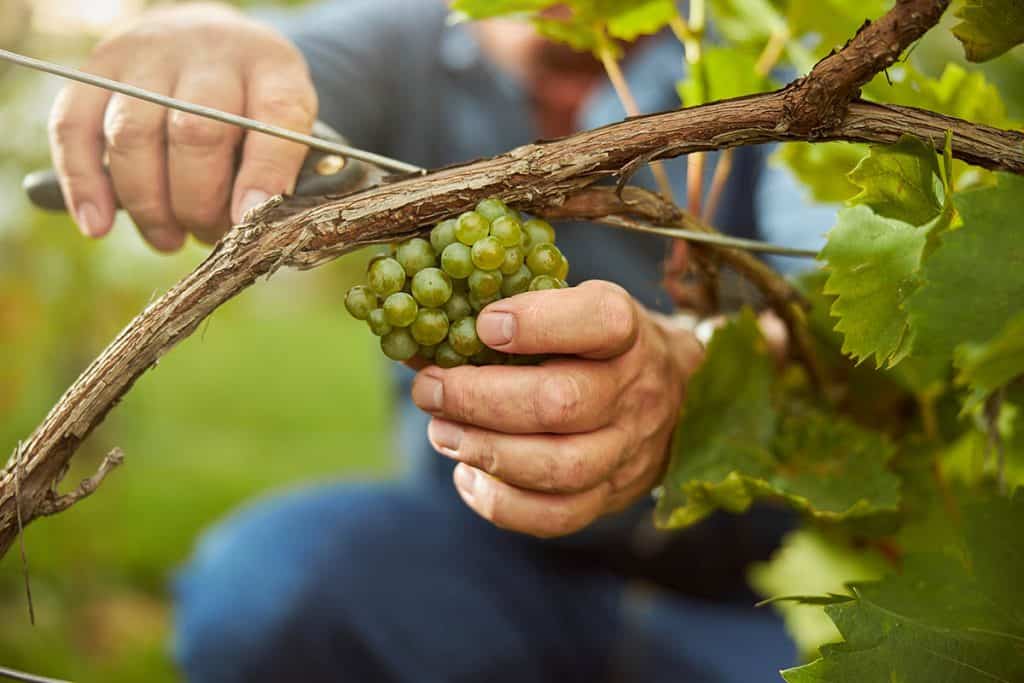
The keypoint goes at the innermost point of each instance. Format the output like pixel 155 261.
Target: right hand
pixel 175 173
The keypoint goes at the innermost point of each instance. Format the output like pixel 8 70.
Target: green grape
pixel 457 307
pixel 399 345
pixel 488 254
pixel 457 260
pixel 488 356
pixel 471 227
pixel 442 235
pixel 478 304
pixel 545 282
pixel 538 232
pixel 359 301
pixel 514 257
pixel 428 351
pixel 415 254
pixel 484 283
pixel 430 326
pixel 492 208
pixel 507 230
pixel 544 259
pixel 378 322
pixel 447 357
pixel 431 287
pixel 516 283
pixel 400 309
pixel 462 337
pixel 385 276
pixel 563 269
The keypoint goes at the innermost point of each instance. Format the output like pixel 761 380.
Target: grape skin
pixel 463 338
pixel 484 283
pixel 359 301
pixel 414 255
pixel 538 232
pixel 516 283
pixel 457 260
pixel 378 322
pixel 385 276
pixel 442 235
pixel 430 326
pixel 492 208
pixel 447 357
pixel 507 230
pixel 400 309
pixel 488 254
pixel 458 307
pixel 432 287
pixel 544 259
pixel 471 227
pixel 545 282
pixel 399 345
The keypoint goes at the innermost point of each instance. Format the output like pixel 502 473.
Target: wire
pixel 209 113
pixel 15 675
pixel 708 238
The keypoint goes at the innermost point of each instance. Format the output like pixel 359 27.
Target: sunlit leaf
pixel 899 181
pixel 823 167
pixel 989 27
pixel 872 263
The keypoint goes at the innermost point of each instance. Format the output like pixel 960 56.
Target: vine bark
pixel 542 178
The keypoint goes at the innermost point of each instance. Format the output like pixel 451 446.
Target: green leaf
pixel 988 366
pixel 811 563
pixel 728 71
pixel 899 181
pixel 872 263
pixel 989 27
pixel 579 35
pixel 732 447
pixel 972 284
pixel 485 9
pixel 635 19
pixel 942 619
pixel 823 167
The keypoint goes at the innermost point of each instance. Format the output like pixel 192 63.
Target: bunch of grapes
pixel 423 298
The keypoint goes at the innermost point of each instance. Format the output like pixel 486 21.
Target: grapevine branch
pixel 304 233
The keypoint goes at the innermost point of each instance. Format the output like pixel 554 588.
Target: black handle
pixel 322 173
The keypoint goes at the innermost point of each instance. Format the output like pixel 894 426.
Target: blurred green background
pixel 279 388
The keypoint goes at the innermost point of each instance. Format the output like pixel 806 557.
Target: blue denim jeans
pixel 401 582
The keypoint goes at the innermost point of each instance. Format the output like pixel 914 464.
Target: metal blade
pixel 210 113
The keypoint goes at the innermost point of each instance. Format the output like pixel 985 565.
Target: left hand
pixel 546 450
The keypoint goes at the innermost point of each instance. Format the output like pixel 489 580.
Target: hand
pixel 174 172
pixel 546 450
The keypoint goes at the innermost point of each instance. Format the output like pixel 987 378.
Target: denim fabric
pixel 400 581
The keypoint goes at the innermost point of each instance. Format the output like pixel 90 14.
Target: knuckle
pixel 618 316
pixel 63 127
pixel 125 132
pixel 187 130
pixel 290 107
pixel 571 469
pixel 558 402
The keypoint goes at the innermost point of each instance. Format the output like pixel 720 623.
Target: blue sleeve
pixel 356 50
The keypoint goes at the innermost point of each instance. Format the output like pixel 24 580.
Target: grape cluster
pixel 423 297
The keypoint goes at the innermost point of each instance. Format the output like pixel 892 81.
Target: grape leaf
pixel 728 72
pixel 732 446
pixel 986 367
pixel 639 18
pixel 823 167
pixel 808 562
pixel 484 9
pixel 971 284
pixel 872 263
pixel 899 181
pixel 989 27
pixel 944 618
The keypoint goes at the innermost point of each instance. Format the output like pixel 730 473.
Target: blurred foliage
pixel 280 388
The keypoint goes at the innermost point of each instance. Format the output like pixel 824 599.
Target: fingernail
pixel 446 435
pixel 496 329
pixel 428 393
pixel 89 220
pixel 250 200
pixel 465 478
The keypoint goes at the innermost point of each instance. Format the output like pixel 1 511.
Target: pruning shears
pixel 331 166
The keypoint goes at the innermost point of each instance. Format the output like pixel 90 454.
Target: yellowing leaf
pixel 990 27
